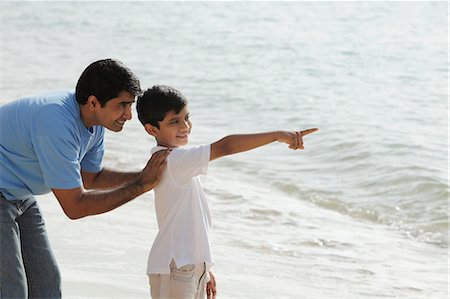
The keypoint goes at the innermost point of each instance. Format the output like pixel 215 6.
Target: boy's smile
pixel 174 129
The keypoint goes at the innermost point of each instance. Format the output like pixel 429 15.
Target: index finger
pixel 309 131
pixel 161 155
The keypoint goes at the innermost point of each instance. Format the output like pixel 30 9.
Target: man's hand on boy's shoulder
pixel 152 172
pixel 294 138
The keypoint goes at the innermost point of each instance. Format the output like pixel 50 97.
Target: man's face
pixel 174 129
pixel 115 112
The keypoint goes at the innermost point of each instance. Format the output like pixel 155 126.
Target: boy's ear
pixel 152 130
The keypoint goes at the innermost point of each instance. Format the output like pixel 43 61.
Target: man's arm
pixel 78 202
pixel 107 178
pixel 240 143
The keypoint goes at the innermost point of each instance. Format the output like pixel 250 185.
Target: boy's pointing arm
pixel 233 144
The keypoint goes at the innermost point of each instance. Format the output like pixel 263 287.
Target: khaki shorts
pixel 186 282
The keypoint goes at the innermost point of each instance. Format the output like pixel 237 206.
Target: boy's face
pixel 174 129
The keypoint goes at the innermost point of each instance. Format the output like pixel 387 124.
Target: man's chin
pixel 115 129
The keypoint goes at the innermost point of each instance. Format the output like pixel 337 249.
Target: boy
pixel 180 257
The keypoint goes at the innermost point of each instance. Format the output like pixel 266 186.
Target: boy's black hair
pixel 105 79
pixel 156 102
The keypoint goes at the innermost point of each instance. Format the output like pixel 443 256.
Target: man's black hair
pixel 105 79
pixel 156 102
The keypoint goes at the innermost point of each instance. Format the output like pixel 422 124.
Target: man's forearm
pixel 107 179
pixel 78 203
pixel 99 201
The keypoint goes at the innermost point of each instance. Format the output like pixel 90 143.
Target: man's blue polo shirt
pixel 44 144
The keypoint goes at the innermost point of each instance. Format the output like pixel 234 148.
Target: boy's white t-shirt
pixel 182 212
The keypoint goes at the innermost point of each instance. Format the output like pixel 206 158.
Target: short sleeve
pixel 58 160
pixel 92 161
pixel 184 164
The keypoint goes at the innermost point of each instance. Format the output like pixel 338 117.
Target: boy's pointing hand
pixel 295 138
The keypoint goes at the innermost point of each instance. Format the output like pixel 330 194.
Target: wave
pixel 419 215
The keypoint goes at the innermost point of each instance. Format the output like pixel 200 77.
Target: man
pixel 54 142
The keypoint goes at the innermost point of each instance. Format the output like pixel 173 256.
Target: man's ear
pixel 152 130
pixel 92 102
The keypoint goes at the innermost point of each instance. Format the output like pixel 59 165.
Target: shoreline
pixel 105 256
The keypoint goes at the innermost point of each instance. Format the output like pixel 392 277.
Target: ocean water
pixel 362 212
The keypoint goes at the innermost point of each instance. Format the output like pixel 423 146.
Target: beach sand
pixel 105 256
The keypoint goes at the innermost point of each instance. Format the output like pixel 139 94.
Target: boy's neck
pixel 165 145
